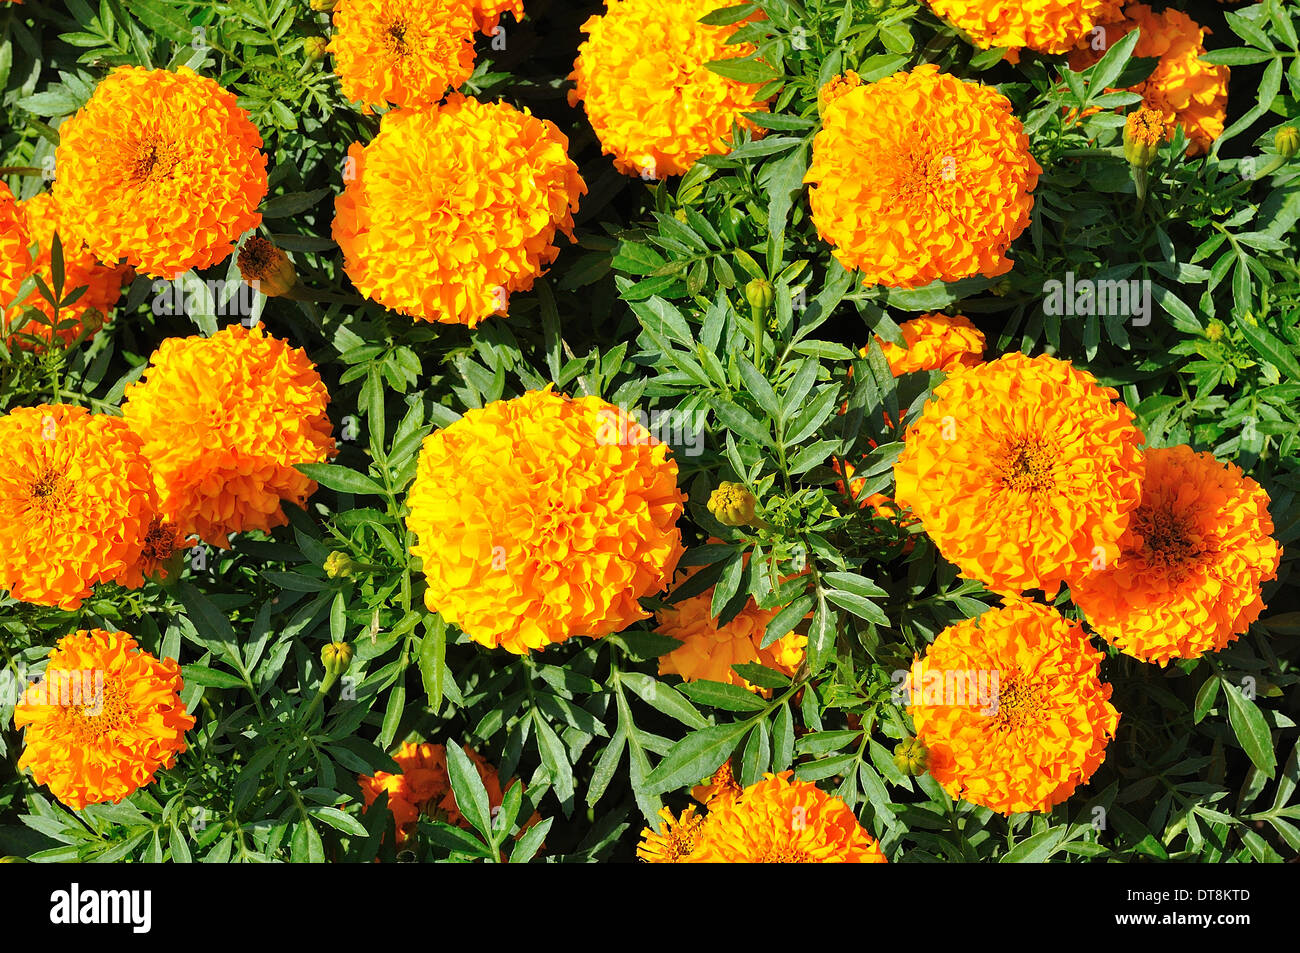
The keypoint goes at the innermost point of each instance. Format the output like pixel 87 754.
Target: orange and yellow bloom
pixel 934 342
pixel 1048 26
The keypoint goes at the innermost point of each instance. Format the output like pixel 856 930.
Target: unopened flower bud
pixel 340 566
pixel 266 268
pixel 733 505
pixel 759 295
pixel 911 757
pixel 336 657
pixel 1144 130
pixel 323 6
pixel 1215 330
pixel 314 48
pixel 1287 141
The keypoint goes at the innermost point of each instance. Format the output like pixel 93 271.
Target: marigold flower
pixel 15 253
pixel 709 650
pixel 1048 26
pixel 1024 471
pixel 266 268
pixel 919 177
pixel 224 421
pixel 1144 129
pixel 935 342
pixel 487 13
pixel 1183 88
pixel 102 720
pixel 721 785
pixel 542 517
pixel 675 840
pixel 76 499
pixel 163 169
pixel 1011 709
pixel 423 786
pixel 641 78
pixel 426 235
pixel 1191 564
pixel 43 217
pixel 407 54
pixel 732 504
pixel 779 820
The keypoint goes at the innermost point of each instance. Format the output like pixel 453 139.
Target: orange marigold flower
pixel 1191 564
pixel 921 176
pixel 423 786
pixel 15 254
pixel 1048 26
pixel 163 169
pixel 44 217
pixel 1024 471
pixel 407 54
pixel 641 78
pixel 427 235
pixel 782 821
pixel 487 13
pixel 721 786
pixel 1183 88
pixel 544 517
pixel 709 650
pixel 1011 709
pixel 102 720
pixel 934 342
pixel 224 421
pixel 675 840
pixel 76 498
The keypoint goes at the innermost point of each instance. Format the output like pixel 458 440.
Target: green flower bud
pixel 337 657
pixel 733 505
pixel 323 6
pixel 911 757
pixel 314 48
pixel 759 295
pixel 340 566
pixel 1287 141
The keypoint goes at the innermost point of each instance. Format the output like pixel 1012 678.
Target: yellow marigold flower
pixel 541 518
pixel 76 499
pixel 407 54
pixel 1183 88
pixel 424 234
pixel 423 786
pixel 44 216
pixel 935 342
pixel 15 254
pixel 163 169
pixel 641 78
pixel 1144 129
pixel 709 650
pixel 675 840
pixel 102 720
pixel 1192 561
pixel 921 176
pixel 1024 471
pixel 783 821
pixel 1048 26
pixel 1011 709
pixel 224 421
pixel 487 13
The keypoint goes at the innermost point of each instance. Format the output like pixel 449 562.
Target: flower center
pixel 784 854
pixel 1018 704
pixel 159 540
pixel 1027 464
pixel 921 172
pixel 1169 540
pixel 395 38
pixel 100 709
pixel 154 160
pixel 49 489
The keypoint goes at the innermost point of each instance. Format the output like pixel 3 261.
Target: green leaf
pixel 530 841
pixel 1270 348
pixel 695 757
pixel 664 698
pixel 467 787
pixel 341 479
pixel 743 70
pixel 433 651
pixel 1036 849
pixel 201 675
pixel 724 696
pixel 1251 729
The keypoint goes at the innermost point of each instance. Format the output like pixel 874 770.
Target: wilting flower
pixel 102 720
pixel 935 342
pixel 784 821
pixel 921 176
pixel 407 54
pixel 1024 471
pixel 709 650
pixel 1191 563
pixel 161 544
pixel 224 421
pixel 162 169
pixel 641 78
pixel 43 216
pixel 675 840
pixel 76 499
pixel 1010 708
pixel 1048 26
pixel 1183 88
pixel 427 235
pixel 542 517
pixel 423 786
pixel 266 268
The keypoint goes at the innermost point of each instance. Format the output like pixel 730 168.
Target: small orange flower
pixel 1024 471
pixel 641 78
pixel 1010 708
pixel 423 786
pixel 426 235
pixel 1191 563
pixel 722 786
pixel 102 720
pixel 487 13
pixel 783 821
pixel 675 840
pixel 921 176
pixel 224 422
pixel 162 169
pixel 934 342
pixel 76 500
